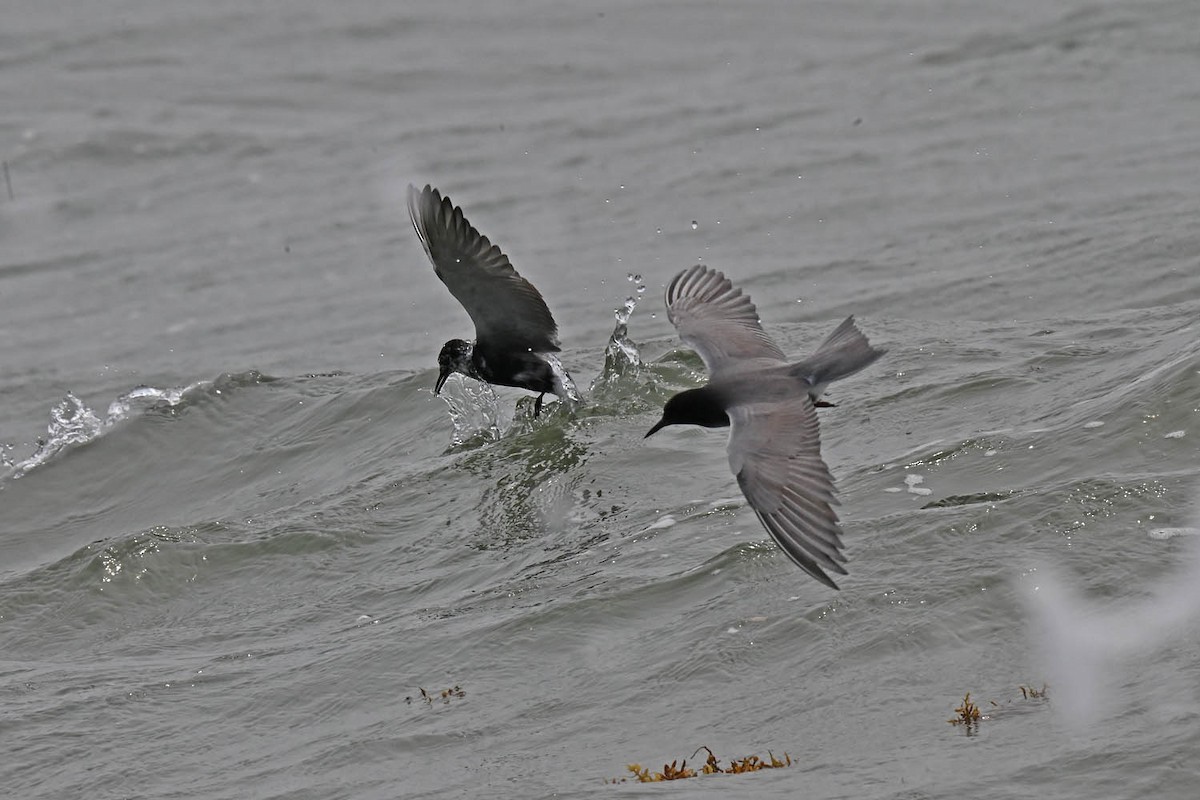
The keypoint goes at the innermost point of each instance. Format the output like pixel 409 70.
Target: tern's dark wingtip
pixel 828 581
pixel 815 571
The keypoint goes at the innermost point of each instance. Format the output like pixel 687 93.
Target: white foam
pixel 914 485
pixel 1171 533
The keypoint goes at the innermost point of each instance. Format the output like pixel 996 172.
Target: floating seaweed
pixel 670 772
pixel 968 714
pixel 754 763
pixel 444 695
pixel 712 765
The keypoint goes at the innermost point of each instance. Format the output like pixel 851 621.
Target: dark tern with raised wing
pixel 771 407
pixel 515 333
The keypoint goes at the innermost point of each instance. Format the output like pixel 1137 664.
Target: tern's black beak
pixel 441 381
pixel 662 423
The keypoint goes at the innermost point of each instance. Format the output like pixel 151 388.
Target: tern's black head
pixel 693 407
pixel 455 357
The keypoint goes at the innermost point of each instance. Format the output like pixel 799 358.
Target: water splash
pixel 147 398
pixel 73 423
pixel 474 410
pixel 564 380
pixel 621 356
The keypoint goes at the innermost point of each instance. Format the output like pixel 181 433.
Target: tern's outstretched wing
pixel 775 452
pixel 508 312
pixel 717 320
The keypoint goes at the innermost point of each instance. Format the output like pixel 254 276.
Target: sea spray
pixel 621 356
pixel 73 423
pixel 474 410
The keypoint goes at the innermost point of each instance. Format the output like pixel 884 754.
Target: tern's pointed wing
pixel 717 320
pixel 507 311
pixel 775 452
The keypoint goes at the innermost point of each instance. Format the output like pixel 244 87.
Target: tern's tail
pixel 844 353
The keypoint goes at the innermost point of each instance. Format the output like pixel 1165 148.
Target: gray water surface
pixel 226 584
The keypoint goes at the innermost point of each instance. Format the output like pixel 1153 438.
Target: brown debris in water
pixel 444 695
pixel 712 765
pixel 969 715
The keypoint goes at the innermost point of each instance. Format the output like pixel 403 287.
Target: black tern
pixel 514 330
pixel 770 405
